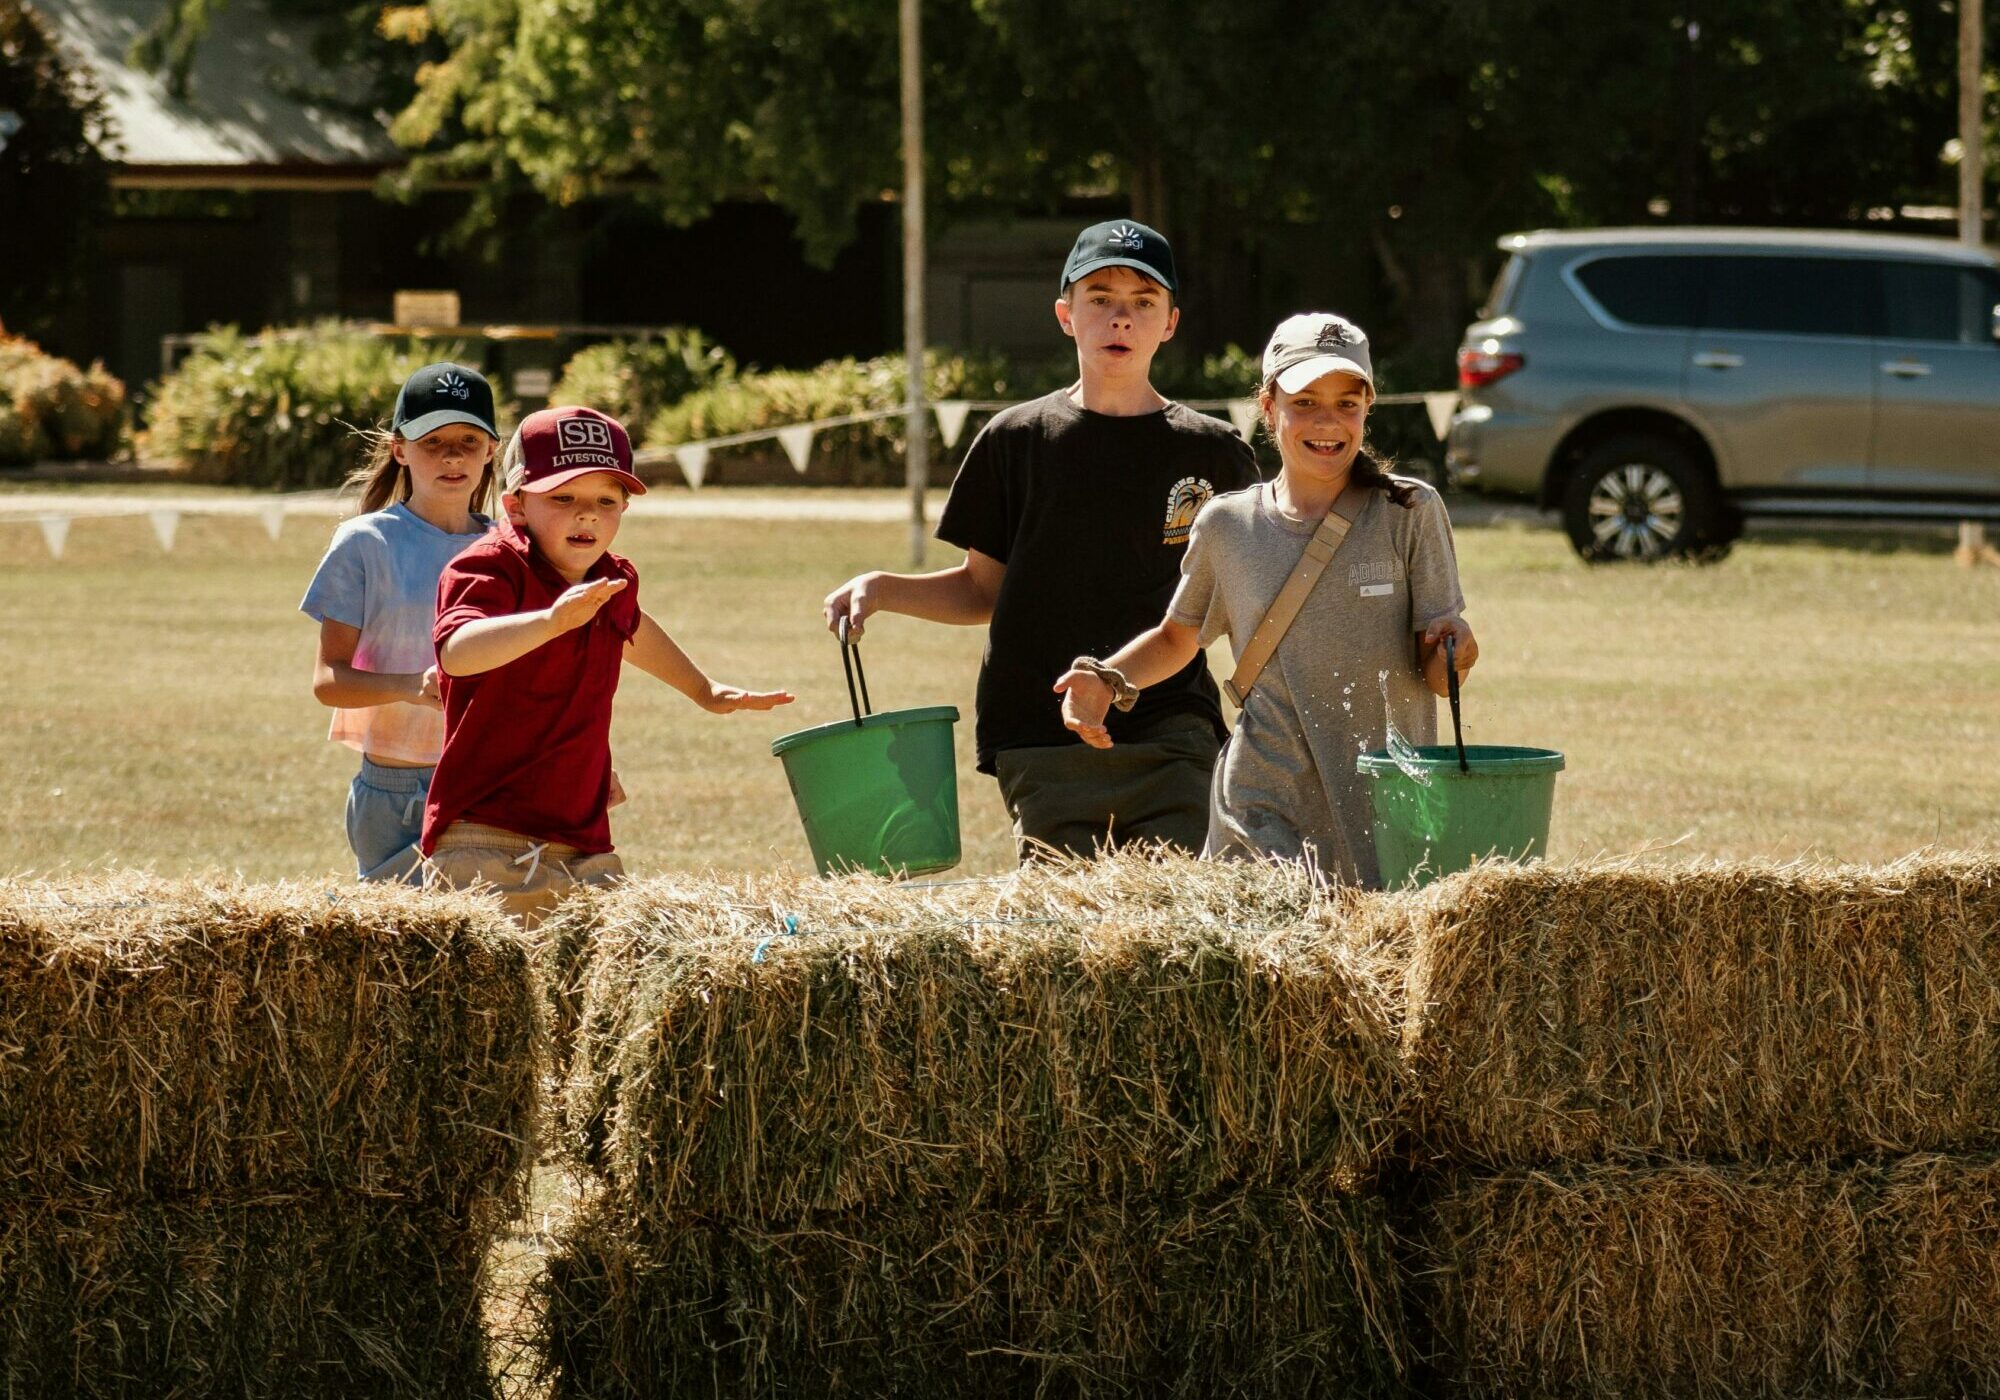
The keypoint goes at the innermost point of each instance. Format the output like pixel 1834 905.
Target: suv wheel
pixel 1642 498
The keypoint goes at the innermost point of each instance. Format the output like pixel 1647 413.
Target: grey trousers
pixel 1075 800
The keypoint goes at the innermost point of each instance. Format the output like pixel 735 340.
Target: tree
pixel 53 180
pixel 1404 139
pixel 685 103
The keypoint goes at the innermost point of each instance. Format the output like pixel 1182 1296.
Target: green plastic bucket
pixel 877 794
pixel 1499 808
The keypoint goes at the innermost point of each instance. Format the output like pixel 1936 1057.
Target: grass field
pixel 1828 695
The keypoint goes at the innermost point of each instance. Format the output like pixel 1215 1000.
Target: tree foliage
pixel 53 181
pixel 1416 131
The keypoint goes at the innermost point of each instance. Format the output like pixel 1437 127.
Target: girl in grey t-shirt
pixel 1366 649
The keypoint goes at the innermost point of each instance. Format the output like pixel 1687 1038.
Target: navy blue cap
pixel 1121 243
pixel 440 394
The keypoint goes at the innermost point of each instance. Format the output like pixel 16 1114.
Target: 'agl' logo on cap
pixel 582 432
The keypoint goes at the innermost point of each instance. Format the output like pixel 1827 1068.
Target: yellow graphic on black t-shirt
pixel 1184 503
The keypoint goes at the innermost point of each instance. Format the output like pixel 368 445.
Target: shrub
pixel 633 379
pixel 281 410
pixel 871 454
pixel 1231 373
pixel 861 454
pixel 49 408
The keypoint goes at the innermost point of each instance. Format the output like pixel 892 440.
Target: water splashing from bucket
pixel 1401 751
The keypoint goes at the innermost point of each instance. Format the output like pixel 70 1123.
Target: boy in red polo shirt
pixel 534 624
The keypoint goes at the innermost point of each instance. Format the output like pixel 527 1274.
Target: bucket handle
pixel 850 662
pixel 1451 683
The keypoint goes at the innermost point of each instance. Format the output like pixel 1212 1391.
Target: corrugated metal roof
pixel 231 116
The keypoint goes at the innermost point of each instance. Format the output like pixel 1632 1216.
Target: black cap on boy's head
pixel 440 394
pixel 1121 243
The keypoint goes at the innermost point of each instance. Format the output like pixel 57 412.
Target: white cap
pixel 1305 347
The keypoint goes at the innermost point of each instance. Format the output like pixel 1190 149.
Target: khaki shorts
pixel 529 876
pixel 1072 799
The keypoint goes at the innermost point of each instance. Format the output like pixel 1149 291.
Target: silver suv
pixel 1657 386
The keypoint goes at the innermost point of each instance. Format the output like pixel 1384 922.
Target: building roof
pixel 237 112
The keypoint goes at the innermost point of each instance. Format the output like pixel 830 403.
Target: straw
pixel 1704 1012
pixel 1073 1031
pixel 1246 1296
pixel 1695 1280
pixel 171 1039
pixel 332 1297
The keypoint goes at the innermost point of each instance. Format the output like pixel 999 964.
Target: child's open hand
pixel 1086 700
pixel 727 699
pixel 580 602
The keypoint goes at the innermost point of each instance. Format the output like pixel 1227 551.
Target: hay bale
pixel 1684 1281
pixel 1935 1241
pixel 1247 1296
pixel 1085 1031
pixel 162 1039
pixel 293 1298
pixel 1708 1012
pixel 563 945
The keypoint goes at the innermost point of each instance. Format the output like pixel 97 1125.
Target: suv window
pixel 1935 301
pixel 1791 296
pixel 1644 290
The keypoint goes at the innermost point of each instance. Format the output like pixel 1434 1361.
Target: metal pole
pixel 917 420
pixel 1972 546
pixel 1971 124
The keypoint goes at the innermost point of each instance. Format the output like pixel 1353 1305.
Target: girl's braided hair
pixel 1370 470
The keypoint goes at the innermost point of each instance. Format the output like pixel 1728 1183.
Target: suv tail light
pixel 1481 365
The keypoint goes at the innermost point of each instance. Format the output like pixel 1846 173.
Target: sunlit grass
pixel 1829 696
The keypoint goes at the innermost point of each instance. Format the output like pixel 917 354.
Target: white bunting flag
pixel 1244 414
pixel 273 513
pixel 951 420
pixel 694 463
pixel 55 532
pixel 166 524
pixel 1440 407
pixel 797 441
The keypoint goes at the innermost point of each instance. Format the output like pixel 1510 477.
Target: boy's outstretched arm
pixel 659 655
pixel 963 595
pixel 488 643
pixel 1148 659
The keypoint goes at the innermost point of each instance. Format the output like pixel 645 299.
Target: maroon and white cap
pixel 560 444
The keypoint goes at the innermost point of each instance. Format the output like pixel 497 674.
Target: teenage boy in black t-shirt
pixel 1073 512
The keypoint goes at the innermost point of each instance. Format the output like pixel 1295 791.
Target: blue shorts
pixel 385 816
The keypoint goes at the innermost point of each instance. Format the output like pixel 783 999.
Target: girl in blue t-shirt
pixel 424 490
